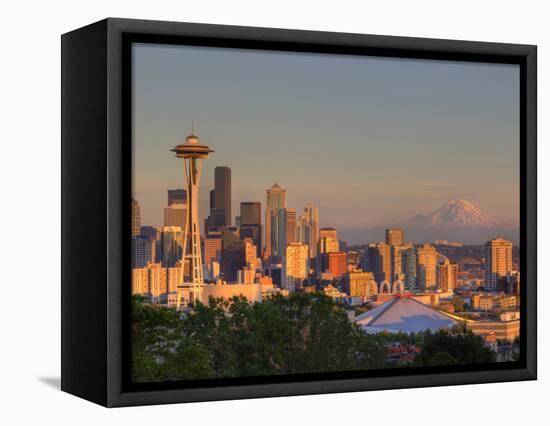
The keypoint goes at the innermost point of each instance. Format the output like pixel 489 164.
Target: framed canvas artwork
pixel 253 212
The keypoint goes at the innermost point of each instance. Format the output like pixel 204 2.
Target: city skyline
pixel 392 185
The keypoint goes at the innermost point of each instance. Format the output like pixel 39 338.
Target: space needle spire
pixel 192 152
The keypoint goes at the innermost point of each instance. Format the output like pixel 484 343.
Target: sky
pixel 369 140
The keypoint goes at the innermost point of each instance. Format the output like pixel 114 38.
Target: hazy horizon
pixel 370 141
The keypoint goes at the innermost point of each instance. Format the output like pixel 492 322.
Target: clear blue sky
pixel 370 141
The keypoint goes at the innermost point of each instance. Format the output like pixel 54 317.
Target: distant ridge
pixel 455 220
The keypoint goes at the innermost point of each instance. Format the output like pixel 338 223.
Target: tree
pixel 159 350
pixel 458 303
pixel 445 346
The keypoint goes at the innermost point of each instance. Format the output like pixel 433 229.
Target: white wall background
pixel 30 213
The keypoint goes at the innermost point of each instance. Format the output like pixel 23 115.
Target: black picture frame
pixel 96 90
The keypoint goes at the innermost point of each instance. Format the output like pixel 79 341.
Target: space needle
pixel 192 152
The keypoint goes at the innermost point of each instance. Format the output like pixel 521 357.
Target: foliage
pixel 458 303
pixel 302 333
pixel 160 351
pixel 453 347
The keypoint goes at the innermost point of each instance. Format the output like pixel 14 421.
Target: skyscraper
pixel 177 196
pixel 337 263
pixel 377 259
pixel 290 226
pixel 394 236
pixel 447 275
pixel 212 252
pixel 498 262
pixel 311 213
pixel 192 152
pixel 175 215
pixel 328 241
pixel 222 192
pixel 408 265
pixel 426 263
pixel 172 239
pixel 142 251
pixel 275 199
pixel 280 233
pixel 251 223
pixel 136 218
pixel 295 266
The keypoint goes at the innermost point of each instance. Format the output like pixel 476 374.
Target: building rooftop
pixel 404 314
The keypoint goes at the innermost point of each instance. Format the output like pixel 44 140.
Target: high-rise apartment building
pixel 447 275
pixel 136 218
pixel 394 236
pixel 498 262
pixel 295 266
pixel 426 267
pixel 222 192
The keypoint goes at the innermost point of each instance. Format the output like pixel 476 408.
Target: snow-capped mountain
pixel 455 220
pixel 458 213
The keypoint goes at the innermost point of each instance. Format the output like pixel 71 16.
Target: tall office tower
pixel 311 214
pixel 232 254
pixel 136 218
pixel 290 226
pixel 295 266
pixel 251 223
pixel 279 233
pixel 426 263
pixel 337 263
pixel 172 239
pixel 175 215
pixel 275 199
pixel 177 196
pixel 377 259
pixel 212 252
pixel 250 253
pixel 394 236
pixel 222 192
pixel 498 262
pixel 408 265
pixel 212 199
pixel 447 275
pixel 192 152
pixel 153 234
pixel 396 267
pixel 359 283
pixel 142 251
